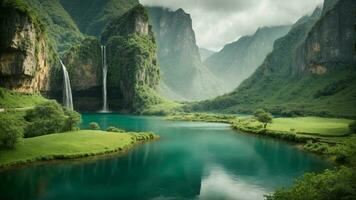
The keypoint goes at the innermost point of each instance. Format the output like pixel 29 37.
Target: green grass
pixel 11 99
pixel 312 125
pixel 69 145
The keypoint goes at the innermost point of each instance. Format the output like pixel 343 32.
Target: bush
pixel 73 120
pixel 114 129
pixel 329 185
pixel 49 117
pixel 94 126
pixel 10 131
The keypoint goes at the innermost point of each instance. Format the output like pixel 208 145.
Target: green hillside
pixel 283 84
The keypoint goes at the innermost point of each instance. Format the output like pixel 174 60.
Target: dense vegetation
pixel 93 15
pixel 47 117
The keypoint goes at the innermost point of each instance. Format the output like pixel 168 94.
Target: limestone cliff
pixel 332 41
pixel 25 57
pixel 133 71
pixel 178 54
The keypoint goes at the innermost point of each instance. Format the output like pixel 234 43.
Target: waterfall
pixel 67 90
pixel 105 73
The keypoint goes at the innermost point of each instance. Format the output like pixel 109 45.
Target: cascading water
pixel 67 90
pixel 105 73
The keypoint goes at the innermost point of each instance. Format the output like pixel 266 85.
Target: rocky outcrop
pixel 332 41
pixel 25 57
pixel 133 71
pixel 179 58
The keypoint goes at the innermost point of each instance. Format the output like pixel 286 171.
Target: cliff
pixel 331 42
pixel 238 60
pixel 25 55
pixel 311 71
pixel 133 71
pixel 179 58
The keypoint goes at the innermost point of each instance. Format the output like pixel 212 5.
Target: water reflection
pixel 191 161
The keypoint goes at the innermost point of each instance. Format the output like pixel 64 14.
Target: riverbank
pixel 71 145
pixel 323 136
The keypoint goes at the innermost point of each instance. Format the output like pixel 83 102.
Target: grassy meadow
pixel 69 145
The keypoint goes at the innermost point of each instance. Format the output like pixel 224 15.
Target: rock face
pixel 24 53
pixel 84 66
pixel 133 71
pixel 331 42
pixel 179 58
pixel 311 71
pixel 238 60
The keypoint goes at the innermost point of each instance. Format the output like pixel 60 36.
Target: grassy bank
pixel 325 136
pixel 71 145
pixel 10 99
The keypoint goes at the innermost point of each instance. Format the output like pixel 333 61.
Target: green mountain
pixel 184 76
pixel 205 53
pixel 238 60
pixel 133 71
pixel 311 70
pixel 92 16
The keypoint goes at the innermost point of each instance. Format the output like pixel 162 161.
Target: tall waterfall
pixel 105 73
pixel 67 90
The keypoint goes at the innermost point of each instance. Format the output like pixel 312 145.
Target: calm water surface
pixel 191 161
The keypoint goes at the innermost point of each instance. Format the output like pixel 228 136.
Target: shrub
pixel 10 131
pixel 49 117
pixel 72 121
pixel 114 129
pixel 329 185
pixel 94 126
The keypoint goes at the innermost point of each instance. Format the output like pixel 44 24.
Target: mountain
pixel 238 60
pixel 205 53
pixel 133 71
pixel 92 16
pixel 310 71
pixel 179 58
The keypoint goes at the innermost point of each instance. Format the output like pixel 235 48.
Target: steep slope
pixel 61 29
pixel 310 71
pixel 179 58
pixel 205 53
pixel 238 60
pixel 25 54
pixel 92 16
pixel 133 72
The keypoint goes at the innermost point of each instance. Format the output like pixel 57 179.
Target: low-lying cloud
pixel 218 22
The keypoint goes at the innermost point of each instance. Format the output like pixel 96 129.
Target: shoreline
pixel 80 157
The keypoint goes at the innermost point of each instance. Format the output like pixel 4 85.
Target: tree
pixel 263 117
pixel 353 127
pixel 94 126
pixel 10 131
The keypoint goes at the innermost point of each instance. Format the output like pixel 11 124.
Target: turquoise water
pixel 191 161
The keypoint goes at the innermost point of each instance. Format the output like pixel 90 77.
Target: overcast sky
pixel 218 22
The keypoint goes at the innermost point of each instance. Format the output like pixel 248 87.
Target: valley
pixel 145 100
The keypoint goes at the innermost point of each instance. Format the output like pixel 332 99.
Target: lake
pixel 192 160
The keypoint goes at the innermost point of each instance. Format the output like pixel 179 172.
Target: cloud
pixel 218 22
